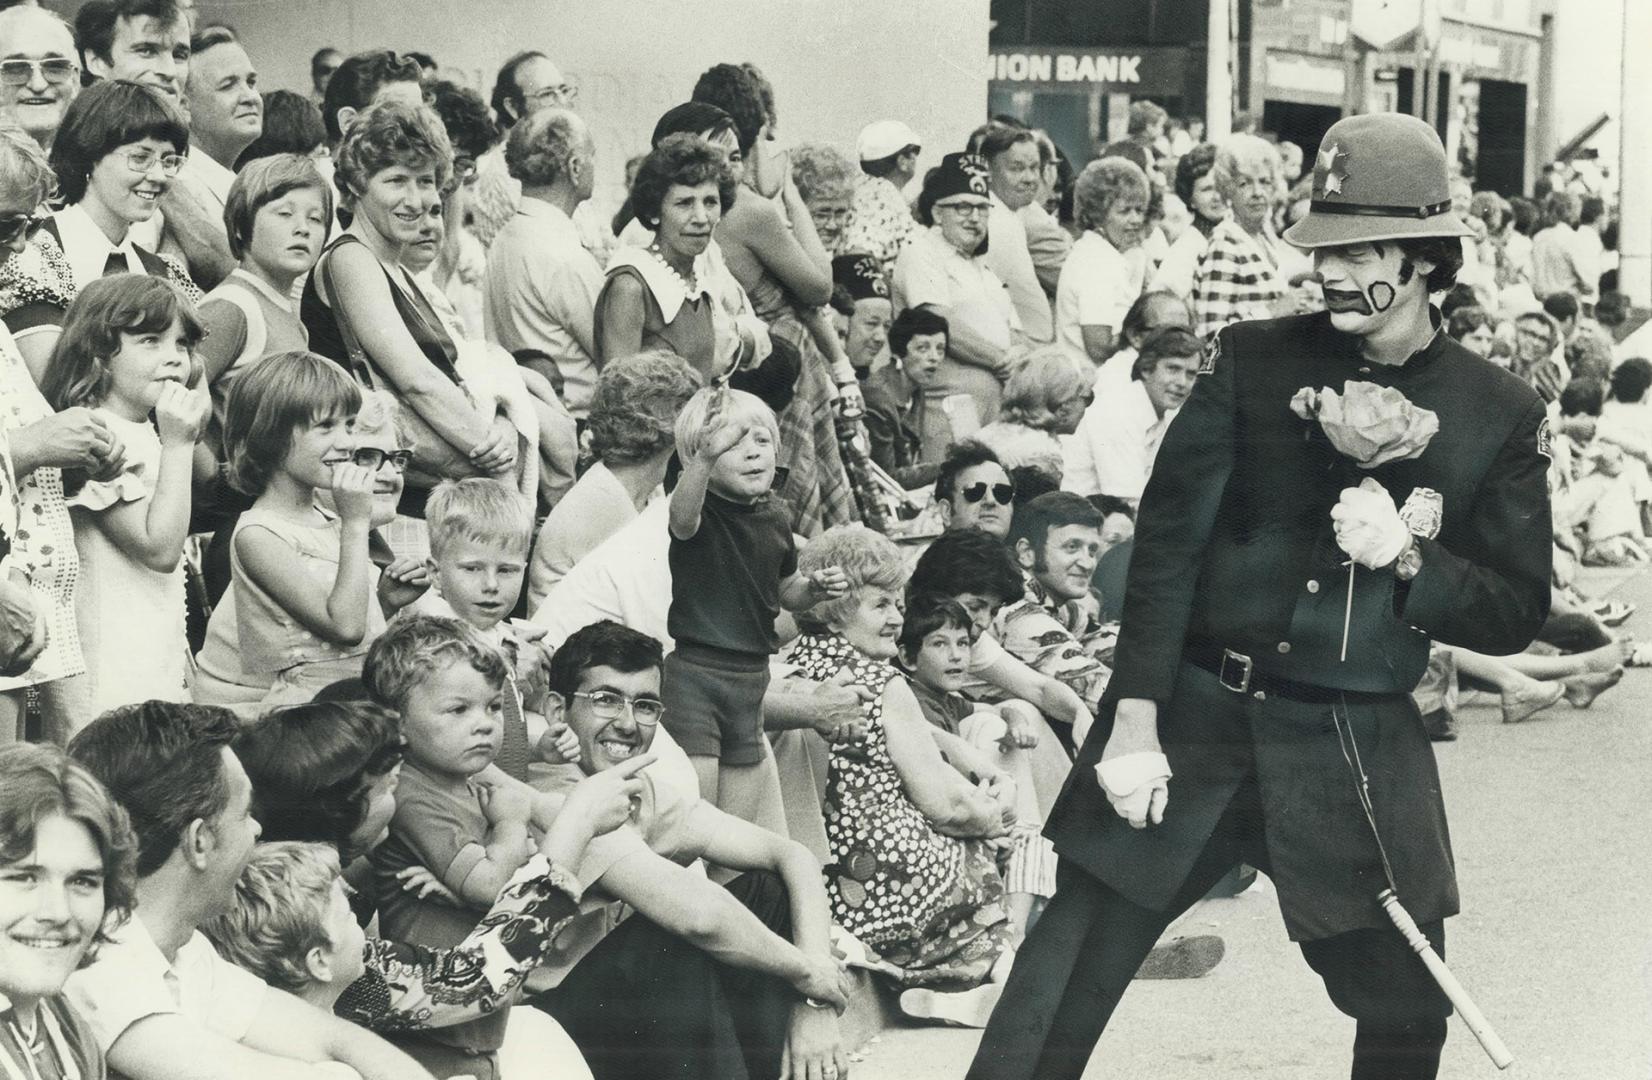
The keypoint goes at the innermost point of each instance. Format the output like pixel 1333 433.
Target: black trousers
pixel 1082 953
pixel 646 1003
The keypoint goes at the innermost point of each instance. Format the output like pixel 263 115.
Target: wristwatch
pixel 1410 561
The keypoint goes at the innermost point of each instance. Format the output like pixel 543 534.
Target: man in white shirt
pixel 1151 311
pixel 159 1000
pixel 542 284
pixel 1015 171
pixel 226 115
pixel 38 45
pixel 1113 450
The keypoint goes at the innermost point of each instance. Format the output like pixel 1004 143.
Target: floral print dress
pixel 931 905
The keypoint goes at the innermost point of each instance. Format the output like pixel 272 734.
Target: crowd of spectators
pixel 632 620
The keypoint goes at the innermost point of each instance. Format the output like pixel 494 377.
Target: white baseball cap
pixel 885 138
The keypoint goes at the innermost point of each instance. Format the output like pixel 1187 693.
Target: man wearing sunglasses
pixel 39 75
pixel 974 491
pixel 658 994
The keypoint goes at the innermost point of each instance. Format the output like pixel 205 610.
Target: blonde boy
pixel 733 566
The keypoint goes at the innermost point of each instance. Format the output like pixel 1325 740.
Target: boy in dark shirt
pixel 733 566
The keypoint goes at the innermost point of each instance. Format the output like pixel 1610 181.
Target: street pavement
pixel 1552 828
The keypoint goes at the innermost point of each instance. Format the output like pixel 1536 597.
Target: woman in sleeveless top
pixel 392 164
pixel 660 296
pixel 775 253
pixel 115 156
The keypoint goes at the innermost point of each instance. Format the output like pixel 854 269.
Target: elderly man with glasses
pixel 39 75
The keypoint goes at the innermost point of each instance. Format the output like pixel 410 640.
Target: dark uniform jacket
pixel 1234 549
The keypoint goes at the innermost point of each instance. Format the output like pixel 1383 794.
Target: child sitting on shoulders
pixel 124 353
pixel 480 532
pixel 448 684
pixel 304 584
pixel 733 566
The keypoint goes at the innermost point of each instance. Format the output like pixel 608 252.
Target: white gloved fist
pixel 1137 785
pixel 1368 525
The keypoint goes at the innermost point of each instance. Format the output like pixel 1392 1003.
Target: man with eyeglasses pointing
pixel 660 993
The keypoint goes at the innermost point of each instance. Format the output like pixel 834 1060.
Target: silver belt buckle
pixel 1244 665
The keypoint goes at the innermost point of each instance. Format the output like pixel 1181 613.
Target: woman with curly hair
pixel 1240 276
pixel 66 880
pixel 916 848
pixel 364 311
pixel 1196 187
pixel 825 180
pixel 1043 402
pixel 117 152
pixel 1107 268
pixel 633 414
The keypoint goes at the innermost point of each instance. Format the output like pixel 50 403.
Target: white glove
pixel 1137 785
pixel 1368 526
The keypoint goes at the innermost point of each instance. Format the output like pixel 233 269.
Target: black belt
pixel 1237 672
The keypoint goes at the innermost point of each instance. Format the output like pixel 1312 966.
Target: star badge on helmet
pixel 1333 169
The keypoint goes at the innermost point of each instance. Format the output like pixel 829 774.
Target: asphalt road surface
pixel 1552 828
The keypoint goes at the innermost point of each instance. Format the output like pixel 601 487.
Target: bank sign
pixel 1141 71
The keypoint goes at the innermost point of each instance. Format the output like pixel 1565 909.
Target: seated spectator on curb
pixel 1151 311
pixel 159 999
pixel 1056 539
pixel 920 849
pixel 702 981
pixel 632 422
pixel 66 854
pixel 1118 438
pixel 895 398
pixel 1044 401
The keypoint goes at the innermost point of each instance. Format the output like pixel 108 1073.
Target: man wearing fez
pixel 1241 713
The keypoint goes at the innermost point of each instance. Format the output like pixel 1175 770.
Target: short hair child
pixel 306 605
pixel 448 683
pixel 480 532
pixel 733 566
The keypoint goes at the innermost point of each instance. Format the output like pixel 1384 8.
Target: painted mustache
pixel 1346 300
pixel 1379 297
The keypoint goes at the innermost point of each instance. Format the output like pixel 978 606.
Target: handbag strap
pixel 360 366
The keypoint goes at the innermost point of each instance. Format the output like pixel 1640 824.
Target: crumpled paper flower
pixel 1371 424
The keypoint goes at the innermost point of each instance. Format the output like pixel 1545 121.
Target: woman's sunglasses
pixel 1001 493
pixel 13 226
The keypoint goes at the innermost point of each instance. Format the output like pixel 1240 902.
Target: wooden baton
pixel 1472 1016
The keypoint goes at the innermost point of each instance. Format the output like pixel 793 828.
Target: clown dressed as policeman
pixel 1259 678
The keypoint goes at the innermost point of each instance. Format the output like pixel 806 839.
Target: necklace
pixel 689 283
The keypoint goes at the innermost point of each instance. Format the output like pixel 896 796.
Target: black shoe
pixel 1184 958
pixel 1441 726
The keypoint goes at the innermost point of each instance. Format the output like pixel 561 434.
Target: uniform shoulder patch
pixel 1545 439
pixel 1213 350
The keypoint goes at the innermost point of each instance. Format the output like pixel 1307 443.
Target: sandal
pixel 1612 612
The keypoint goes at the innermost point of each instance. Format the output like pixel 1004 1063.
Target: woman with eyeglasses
pixel 324 778
pixel 67 858
pixel 42 443
pixel 825 181
pixel 116 154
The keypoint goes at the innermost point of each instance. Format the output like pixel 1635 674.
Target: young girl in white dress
pixel 125 353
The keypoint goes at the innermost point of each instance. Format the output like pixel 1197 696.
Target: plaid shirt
pixel 1234 281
